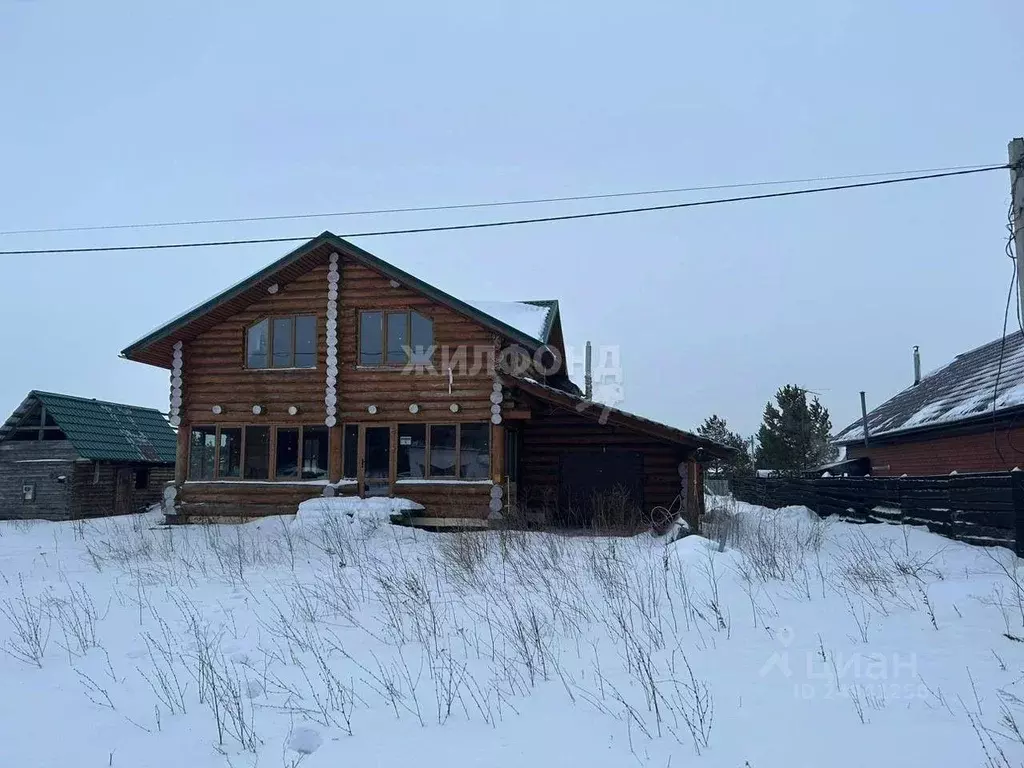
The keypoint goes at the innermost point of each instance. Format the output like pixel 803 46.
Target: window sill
pixel 278 370
pixel 440 481
pixel 237 481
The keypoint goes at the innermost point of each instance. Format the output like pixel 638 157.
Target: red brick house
pixel 967 416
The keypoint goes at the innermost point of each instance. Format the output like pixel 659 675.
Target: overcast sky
pixel 118 112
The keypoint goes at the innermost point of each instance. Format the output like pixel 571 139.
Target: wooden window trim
pixel 270 341
pixel 384 364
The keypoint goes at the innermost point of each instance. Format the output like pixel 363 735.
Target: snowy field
pixel 329 640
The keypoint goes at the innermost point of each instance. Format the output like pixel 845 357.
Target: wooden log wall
pixel 391 390
pixel 40 463
pixel 214 371
pixel 977 509
pixel 547 436
pixel 245 499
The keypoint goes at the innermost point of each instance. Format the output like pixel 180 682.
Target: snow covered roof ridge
pixel 534 318
pixel 962 390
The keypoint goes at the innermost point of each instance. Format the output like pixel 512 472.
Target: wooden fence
pixel 977 509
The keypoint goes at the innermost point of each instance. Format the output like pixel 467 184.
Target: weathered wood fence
pixel 977 509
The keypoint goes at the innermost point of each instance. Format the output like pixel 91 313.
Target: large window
pixel 412 451
pixel 394 338
pixel 444 451
pixel 201 452
pixel 287 453
pixel 443 445
pixel 258 453
pixel 474 451
pixel 230 459
pixel 282 342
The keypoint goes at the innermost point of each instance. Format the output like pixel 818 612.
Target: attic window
pixel 281 342
pixel 394 338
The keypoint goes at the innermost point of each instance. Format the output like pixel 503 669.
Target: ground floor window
pixel 257 452
pixel 314 453
pixel 444 451
pixel 201 459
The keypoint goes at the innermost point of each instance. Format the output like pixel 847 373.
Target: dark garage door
pixel 596 486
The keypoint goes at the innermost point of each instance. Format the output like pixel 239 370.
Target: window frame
pixel 272 458
pixel 270 320
pixel 457 476
pixel 409 349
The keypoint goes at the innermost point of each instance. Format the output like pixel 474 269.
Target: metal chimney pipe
pixel 588 376
pixel 917 365
pixel 864 415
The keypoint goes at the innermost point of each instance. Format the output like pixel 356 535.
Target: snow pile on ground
pixel 379 509
pixel 774 640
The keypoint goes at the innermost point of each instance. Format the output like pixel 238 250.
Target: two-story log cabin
pixel 333 372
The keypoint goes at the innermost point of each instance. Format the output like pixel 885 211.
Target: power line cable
pixel 490 204
pixel 510 222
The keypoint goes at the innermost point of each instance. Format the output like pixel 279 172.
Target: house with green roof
pixel 64 457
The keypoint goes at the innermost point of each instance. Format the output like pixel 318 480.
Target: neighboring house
pixel 331 367
pixel 953 419
pixel 64 457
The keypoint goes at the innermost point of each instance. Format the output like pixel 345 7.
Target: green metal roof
pixel 103 431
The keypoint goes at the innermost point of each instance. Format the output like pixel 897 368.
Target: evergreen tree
pixel 794 435
pixel 715 428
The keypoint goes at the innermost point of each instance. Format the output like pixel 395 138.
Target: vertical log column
pixel 497 503
pixel 174 417
pixel 331 384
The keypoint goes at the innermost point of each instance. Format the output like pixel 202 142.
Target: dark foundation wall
pixel 39 465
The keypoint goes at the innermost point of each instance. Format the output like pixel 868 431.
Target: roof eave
pixel 133 351
pixel 942 426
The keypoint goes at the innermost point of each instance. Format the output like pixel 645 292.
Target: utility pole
pixel 1016 151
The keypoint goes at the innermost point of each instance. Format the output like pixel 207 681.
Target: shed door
pixel 123 491
pixel 594 486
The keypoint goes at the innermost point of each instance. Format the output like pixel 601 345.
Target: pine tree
pixel 795 435
pixel 715 428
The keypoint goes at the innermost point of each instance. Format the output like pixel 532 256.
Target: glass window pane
pixel 412 450
pixel 371 338
pixel 442 450
pixel 314 453
pixel 350 458
pixel 200 453
pixel 257 453
pixel 287 453
pixel 257 345
pixel 305 342
pixel 283 342
pixel 230 452
pixel 422 338
pixel 398 336
pixel 475 452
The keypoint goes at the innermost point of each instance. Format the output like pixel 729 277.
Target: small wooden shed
pixel 64 457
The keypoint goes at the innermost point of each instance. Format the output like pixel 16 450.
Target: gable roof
pixel 534 318
pixel 606 414
pixel 103 431
pixel 512 321
pixel 963 390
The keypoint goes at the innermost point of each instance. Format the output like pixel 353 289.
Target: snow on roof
pixel 963 389
pixel 525 317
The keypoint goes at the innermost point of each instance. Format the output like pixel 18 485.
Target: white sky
pixel 117 112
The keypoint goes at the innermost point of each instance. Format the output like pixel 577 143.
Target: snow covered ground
pixel 339 640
